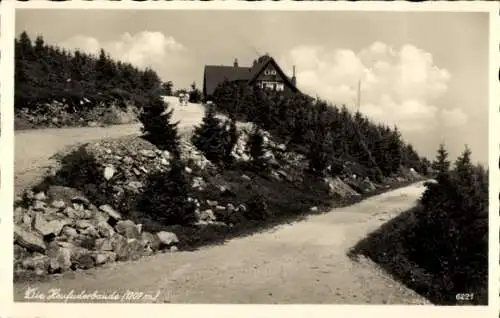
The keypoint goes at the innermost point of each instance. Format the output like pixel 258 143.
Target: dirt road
pixel 304 262
pixel 33 148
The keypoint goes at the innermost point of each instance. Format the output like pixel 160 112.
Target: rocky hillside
pixel 88 211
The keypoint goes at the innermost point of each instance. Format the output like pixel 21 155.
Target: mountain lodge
pixel 264 72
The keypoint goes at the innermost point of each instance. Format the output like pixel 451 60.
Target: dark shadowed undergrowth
pixel 392 247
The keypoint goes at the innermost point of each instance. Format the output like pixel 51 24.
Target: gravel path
pixel 34 148
pixel 304 262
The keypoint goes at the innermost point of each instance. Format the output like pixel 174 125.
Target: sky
pixel 425 72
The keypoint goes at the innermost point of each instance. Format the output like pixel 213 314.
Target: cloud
pixel 144 49
pixel 398 86
pixel 454 117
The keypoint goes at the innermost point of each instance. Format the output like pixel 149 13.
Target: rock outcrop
pixel 60 230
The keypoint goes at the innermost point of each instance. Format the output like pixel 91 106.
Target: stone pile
pixel 190 154
pixel 60 230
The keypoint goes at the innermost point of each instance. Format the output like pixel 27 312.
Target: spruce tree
pixel 441 163
pixel 208 137
pixel 156 119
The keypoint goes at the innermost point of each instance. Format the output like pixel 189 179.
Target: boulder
pixel 103 244
pixel 128 249
pixel 99 257
pixel 109 172
pixel 134 186
pixel 207 215
pixel 118 242
pixel 90 232
pixel 39 264
pixel 20 252
pixel 99 217
pixel 104 229
pixel 83 224
pixel 167 238
pixel 41 225
pixel 69 232
pixel 85 241
pixel 147 153
pixel 40 196
pixel 39 206
pixel 18 215
pixel 212 203
pixel 134 250
pixel 62 193
pixel 27 220
pixel 82 258
pixel 72 213
pixel 80 200
pixel 57 225
pixel 58 204
pixel 110 211
pixel 60 258
pixel 150 240
pixel 128 229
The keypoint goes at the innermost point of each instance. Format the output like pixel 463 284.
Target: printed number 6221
pixel 464 296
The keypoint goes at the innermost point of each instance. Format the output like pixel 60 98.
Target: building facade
pixel 264 72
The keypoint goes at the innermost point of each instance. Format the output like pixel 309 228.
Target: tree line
pixel 46 73
pixel 327 134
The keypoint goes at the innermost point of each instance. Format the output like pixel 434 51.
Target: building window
pixel 270 72
pixel 280 87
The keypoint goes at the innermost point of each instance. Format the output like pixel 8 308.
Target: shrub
pixel 257 208
pixel 80 170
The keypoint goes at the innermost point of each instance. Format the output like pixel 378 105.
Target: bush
pixel 165 198
pixel 257 208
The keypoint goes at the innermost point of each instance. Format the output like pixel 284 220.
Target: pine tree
pixel 209 137
pixel 156 119
pixel 441 164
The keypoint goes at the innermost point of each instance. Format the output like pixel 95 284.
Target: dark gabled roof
pixel 216 74
pixel 262 63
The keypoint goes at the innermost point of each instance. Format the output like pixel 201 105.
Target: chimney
pixel 235 62
pixel 294 79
